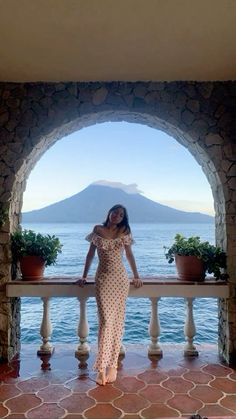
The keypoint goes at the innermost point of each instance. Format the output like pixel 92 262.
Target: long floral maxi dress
pixel 111 286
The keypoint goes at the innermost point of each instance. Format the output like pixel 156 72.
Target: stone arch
pixel 198 115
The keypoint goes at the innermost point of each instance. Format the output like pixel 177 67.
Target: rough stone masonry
pixel 200 116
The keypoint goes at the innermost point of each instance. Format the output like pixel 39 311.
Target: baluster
pixel 154 329
pixel 46 329
pixel 83 329
pixel 189 329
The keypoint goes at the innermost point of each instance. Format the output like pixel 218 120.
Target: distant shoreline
pixel 97 222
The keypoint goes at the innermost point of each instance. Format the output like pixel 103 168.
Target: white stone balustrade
pixel 153 288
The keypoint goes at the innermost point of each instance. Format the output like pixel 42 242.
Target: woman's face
pixel 116 216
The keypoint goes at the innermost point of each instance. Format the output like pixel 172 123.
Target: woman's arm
pixel 88 261
pixel 130 257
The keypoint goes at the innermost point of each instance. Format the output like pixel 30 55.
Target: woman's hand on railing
pixel 137 282
pixel 81 282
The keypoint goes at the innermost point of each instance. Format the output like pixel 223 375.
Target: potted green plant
pixel 194 258
pixel 34 251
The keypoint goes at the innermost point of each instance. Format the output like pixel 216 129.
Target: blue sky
pixel 162 169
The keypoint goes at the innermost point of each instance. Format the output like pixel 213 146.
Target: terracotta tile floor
pixel 170 387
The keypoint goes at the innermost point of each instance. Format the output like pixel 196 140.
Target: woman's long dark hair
pixel 124 222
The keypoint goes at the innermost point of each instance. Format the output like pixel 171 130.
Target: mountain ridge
pixel 92 204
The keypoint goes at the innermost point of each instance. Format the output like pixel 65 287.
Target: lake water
pixel 149 254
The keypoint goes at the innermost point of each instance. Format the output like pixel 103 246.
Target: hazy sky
pixel 163 170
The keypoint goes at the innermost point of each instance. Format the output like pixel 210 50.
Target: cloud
pixel 132 188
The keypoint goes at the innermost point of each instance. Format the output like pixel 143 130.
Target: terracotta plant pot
pixel 32 268
pixel 189 268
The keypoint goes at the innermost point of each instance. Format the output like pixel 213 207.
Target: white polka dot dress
pixel 112 287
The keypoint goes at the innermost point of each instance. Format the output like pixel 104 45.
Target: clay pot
pixel 32 268
pixel 189 268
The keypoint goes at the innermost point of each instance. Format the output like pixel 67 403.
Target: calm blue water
pixel 149 254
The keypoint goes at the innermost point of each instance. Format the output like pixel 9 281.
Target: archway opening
pixel 120 160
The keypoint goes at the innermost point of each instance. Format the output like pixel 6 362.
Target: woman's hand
pixel 137 282
pixel 81 282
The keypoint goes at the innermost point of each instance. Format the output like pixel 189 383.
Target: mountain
pixel 92 204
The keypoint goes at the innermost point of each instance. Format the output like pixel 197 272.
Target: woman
pixel 112 287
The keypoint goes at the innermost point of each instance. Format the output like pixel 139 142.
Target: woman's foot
pixel 101 378
pixel 111 374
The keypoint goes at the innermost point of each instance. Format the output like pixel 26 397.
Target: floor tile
pixel 131 417
pixel 7 391
pixel 217 370
pixel 198 377
pixel 214 410
pixel 159 411
pixel 105 393
pixel 32 385
pixel 77 403
pixel 224 384
pixel 156 394
pixel 47 410
pixel 104 411
pixel 206 394
pixel 232 376
pixel 81 385
pixel 229 402
pixel 3 411
pixel 178 384
pixel 176 372
pixel 129 384
pixel 22 403
pixel 53 393
pixel 131 403
pixel 153 376
pixel 185 403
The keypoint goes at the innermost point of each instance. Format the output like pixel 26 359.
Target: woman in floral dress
pixel 112 286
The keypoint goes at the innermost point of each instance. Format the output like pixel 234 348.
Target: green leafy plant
pixel 29 243
pixel 213 257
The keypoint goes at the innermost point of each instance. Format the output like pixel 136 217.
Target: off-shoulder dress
pixel 112 286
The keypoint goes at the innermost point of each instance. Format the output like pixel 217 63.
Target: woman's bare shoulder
pixel 98 228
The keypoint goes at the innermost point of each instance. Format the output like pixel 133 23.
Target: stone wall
pixel 200 116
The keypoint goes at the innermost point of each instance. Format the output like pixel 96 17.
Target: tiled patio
pixel 170 387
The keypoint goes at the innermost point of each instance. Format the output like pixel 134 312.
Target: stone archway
pixel 198 115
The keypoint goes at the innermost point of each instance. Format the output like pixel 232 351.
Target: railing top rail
pixel 155 286
pixel 147 280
